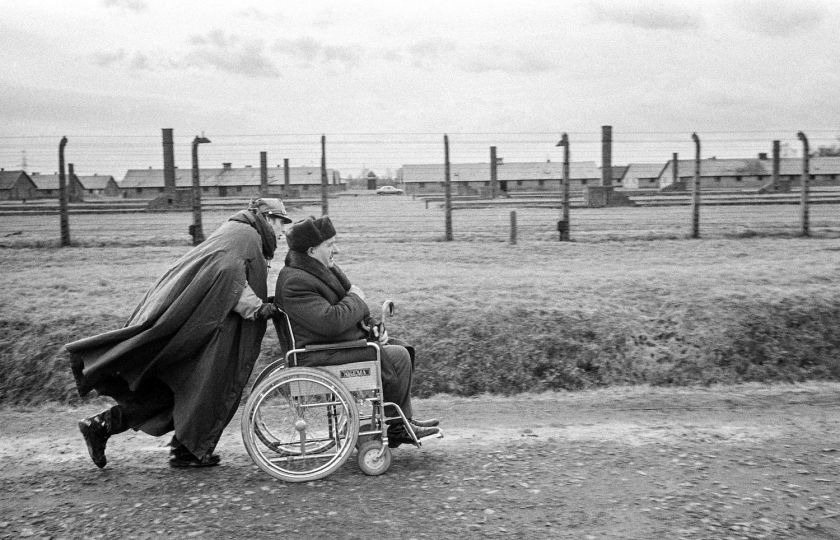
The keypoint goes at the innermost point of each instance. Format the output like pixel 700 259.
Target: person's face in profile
pixel 325 252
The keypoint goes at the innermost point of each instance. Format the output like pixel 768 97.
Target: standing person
pixel 324 307
pixel 181 361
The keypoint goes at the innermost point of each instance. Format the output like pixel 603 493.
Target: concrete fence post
pixel 63 195
pixel 196 230
pixel 325 209
pixel 447 190
pixel 806 177
pixel 695 192
pixel 563 225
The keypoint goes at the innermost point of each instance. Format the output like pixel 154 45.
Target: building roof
pixel 646 171
pixel 480 172
pixel 95 181
pixel 49 181
pixel 816 165
pixel 719 167
pixel 8 179
pixel 226 177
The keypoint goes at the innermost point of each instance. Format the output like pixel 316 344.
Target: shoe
pixel 185 462
pixel 95 432
pixel 431 422
pixel 397 434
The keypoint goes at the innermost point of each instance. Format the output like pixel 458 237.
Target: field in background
pixel 487 317
pixel 403 219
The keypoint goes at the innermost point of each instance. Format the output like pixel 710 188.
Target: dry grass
pixel 494 317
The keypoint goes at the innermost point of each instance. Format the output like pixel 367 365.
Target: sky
pixel 383 81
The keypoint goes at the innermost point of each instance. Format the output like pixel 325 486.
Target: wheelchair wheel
pixel 300 424
pixel 370 461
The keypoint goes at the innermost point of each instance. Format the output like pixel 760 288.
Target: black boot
pixel 96 430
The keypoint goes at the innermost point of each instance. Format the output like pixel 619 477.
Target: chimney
pixel 226 166
pixel 168 161
pixel 762 155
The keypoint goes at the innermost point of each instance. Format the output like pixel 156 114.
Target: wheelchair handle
pixel 387 308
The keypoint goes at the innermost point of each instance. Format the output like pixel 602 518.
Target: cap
pixel 270 206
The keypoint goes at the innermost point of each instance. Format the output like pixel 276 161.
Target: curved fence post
pixel 563 224
pixel 63 195
pixel 695 193
pixel 806 176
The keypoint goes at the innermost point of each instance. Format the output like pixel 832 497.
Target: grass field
pixel 485 316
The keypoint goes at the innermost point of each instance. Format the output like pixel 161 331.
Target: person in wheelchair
pixel 182 360
pixel 323 307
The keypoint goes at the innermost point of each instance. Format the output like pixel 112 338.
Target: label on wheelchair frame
pixel 363 372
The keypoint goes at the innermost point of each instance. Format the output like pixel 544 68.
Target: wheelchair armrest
pixel 355 344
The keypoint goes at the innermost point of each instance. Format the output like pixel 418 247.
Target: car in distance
pixel 389 190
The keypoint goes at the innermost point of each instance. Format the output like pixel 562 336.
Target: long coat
pixel 185 334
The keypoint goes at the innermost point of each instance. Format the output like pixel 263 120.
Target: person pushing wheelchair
pixel 323 306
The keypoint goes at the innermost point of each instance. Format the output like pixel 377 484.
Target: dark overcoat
pixel 185 334
pixel 319 307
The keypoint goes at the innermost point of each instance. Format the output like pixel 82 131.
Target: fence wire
pixel 369 218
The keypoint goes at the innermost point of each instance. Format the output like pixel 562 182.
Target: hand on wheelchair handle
pixel 266 311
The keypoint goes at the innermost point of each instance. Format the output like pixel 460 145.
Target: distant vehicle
pixel 389 190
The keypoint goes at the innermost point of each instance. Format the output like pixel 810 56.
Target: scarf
pixel 333 277
pixel 255 220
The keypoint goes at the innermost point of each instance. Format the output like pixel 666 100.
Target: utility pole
pixel 63 195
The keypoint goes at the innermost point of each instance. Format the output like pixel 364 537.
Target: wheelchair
pixel 302 423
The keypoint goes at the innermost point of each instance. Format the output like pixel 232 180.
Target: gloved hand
pixel 266 311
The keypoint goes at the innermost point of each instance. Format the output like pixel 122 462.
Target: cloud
pixel 310 51
pixel 514 61
pixel 228 54
pixel 650 16
pixel 107 59
pixel 429 52
pixel 135 62
pixel 778 18
pixel 131 5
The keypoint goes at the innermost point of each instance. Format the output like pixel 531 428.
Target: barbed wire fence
pixel 425 217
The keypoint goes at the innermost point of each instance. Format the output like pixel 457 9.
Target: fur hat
pixel 309 233
pixel 270 206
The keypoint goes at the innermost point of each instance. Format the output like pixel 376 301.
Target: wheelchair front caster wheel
pixel 371 463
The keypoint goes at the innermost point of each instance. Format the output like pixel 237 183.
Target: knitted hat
pixel 272 207
pixel 309 233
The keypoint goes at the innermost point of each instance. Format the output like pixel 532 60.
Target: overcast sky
pixel 257 75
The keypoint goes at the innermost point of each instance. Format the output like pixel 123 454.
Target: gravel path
pixel 739 462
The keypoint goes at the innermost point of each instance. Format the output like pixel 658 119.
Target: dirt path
pixel 744 462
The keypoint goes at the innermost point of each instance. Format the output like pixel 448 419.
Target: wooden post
pixel 806 177
pixel 494 172
pixel 325 209
pixel 695 194
pixel 286 176
pixel 447 190
pixel 776 162
pixel 513 226
pixel 63 195
pixel 264 174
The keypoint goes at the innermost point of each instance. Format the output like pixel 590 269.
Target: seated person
pixel 323 307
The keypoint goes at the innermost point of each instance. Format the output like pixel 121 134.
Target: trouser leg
pixel 135 408
pixel 396 378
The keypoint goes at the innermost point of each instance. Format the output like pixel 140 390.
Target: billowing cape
pixel 185 334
